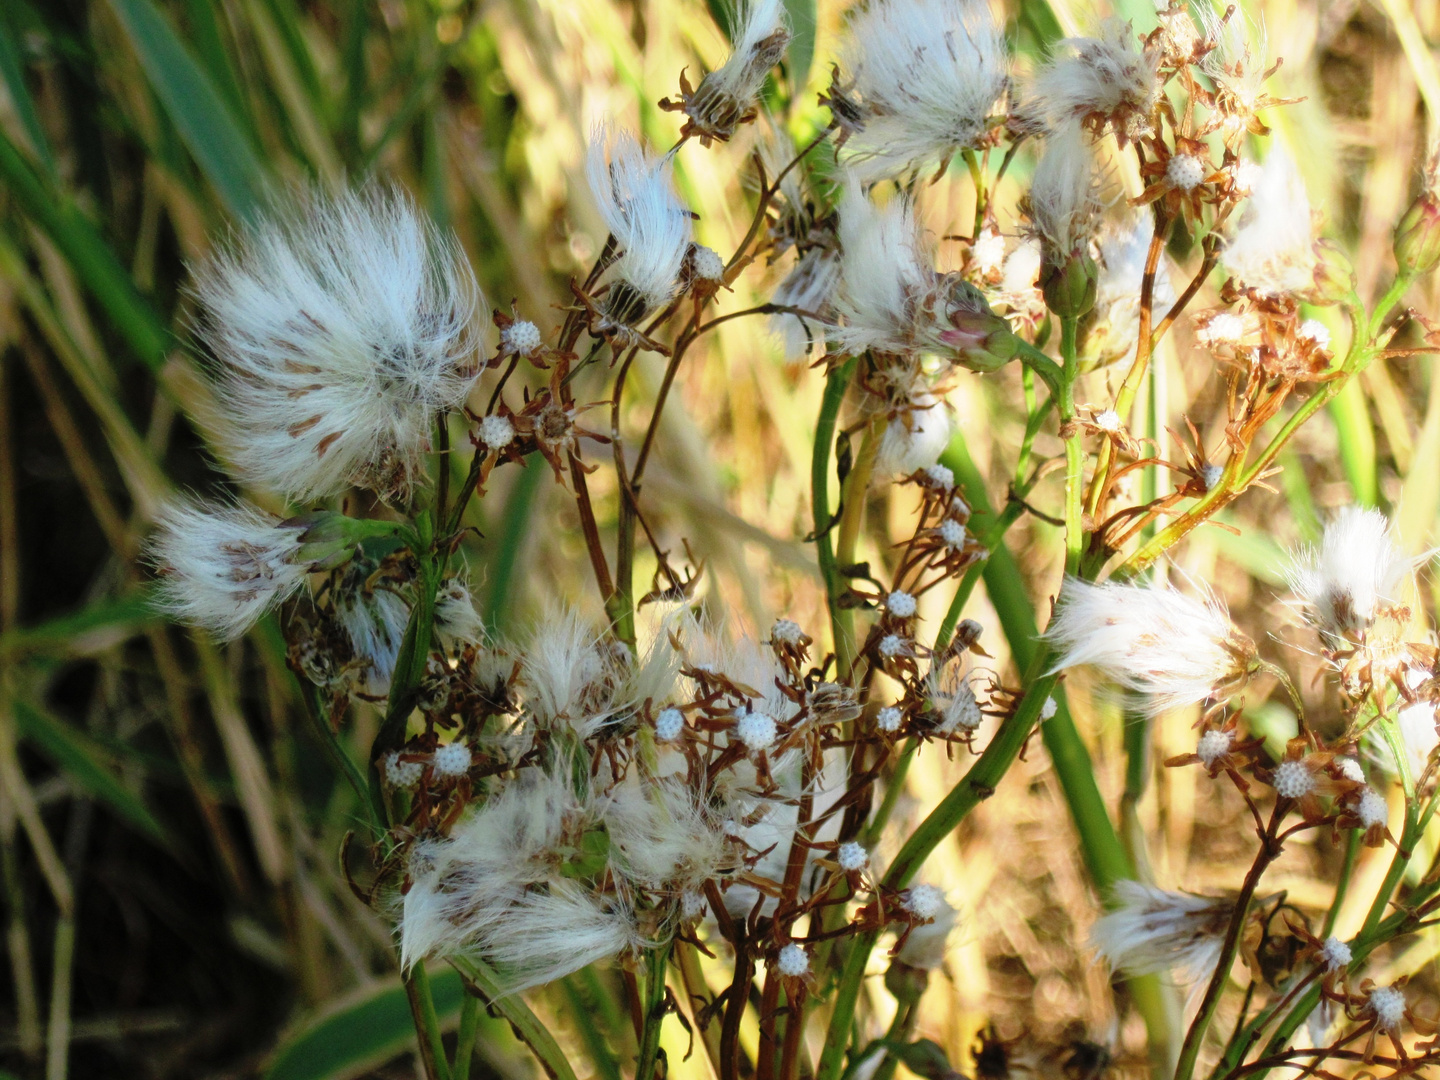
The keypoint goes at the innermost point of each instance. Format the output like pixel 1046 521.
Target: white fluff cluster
pixel 928 73
pixel 793 961
pixel 1173 648
pixel 760 39
pixel 1293 780
pixel 809 286
pixel 222 567
pixel 1109 75
pixel 341 330
pixel 456 619
pixel 1153 929
pixel 915 438
pixel 1357 567
pixel 852 856
pixel 374 620
pixel 1121 266
pixel 1387 1005
pixel 1272 250
pixel 1214 744
pixel 925 945
pixel 650 226
pixel 1335 954
pixel 1064 201
pixel 885 269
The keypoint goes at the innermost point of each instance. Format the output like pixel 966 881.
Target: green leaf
pixel 802 43
pixel 523 1022
pixel 88 255
pixel 362 1031
pixel 106 619
pixel 78 756
pixel 195 107
pixel 12 70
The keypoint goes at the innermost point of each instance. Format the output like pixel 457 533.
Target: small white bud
pixel 1316 331
pixel 1048 710
pixel 669 725
pixel 402 774
pixel 793 961
pixel 496 431
pixel 1109 421
pixel 1350 769
pixel 786 632
pixel 1185 171
pixel 924 901
pixel 888 718
pixel 1371 809
pixel 953 533
pixel 756 730
pixel 1214 745
pixel 900 604
pixel 1388 1005
pixel 707 264
pixel 1210 475
pixel 1293 780
pixel 451 760
pixel 520 338
pixel 852 856
pixel 940 475
pixel 893 645
pixel 1335 954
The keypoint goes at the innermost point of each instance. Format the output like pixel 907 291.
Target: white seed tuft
pixel 1185 171
pixel 496 431
pixel 1048 710
pixel 941 476
pixel 1109 421
pixel 1372 809
pixel 1273 246
pixel 402 774
pixel 786 632
pixel 893 645
pixel 1335 954
pixel 1357 566
pixel 1313 330
pixel 900 604
pixel 924 901
pixel 1387 1003
pixel 756 730
pixel 852 856
pixel 520 338
pixel 952 532
pixel 707 264
pixel 451 760
pixel 889 718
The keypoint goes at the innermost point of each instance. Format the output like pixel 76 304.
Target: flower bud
pixel 1334 276
pixel 1417 236
pixel 982 340
pixel 906 983
pixel 1069 287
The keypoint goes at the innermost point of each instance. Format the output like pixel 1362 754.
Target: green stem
pixel 512 1007
pixel 465 1040
pixel 893 788
pixel 654 1013
pixel 1342 886
pixel 842 623
pixel 1409 836
pixel 427 1023
pixel 1074 452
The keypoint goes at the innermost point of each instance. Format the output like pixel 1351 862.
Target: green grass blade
pixel 215 57
pixel 509 544
pixel 1356 436
pixel 12 70
pixel 195 107
pixel 104 620
pixel 361 1032
pixel 80 758
pixel 523 1022
pixel 88 255
pixel 802 43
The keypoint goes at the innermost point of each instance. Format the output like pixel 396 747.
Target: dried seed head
pixel 669 725
pixel 402 774
pixel 1214 744
pixel 1293 780
pixel 852 857
pixel 496 431
pixel 793 961
pixel 756 730
pixel 1335 954
pixel 889 718
pixel 1387 1005
pixel 451 760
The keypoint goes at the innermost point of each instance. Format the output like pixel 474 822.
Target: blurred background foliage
pixel 172 901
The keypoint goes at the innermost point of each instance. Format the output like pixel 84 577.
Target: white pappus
pixel 1356 568
pixel 1152 929
pixel 341 327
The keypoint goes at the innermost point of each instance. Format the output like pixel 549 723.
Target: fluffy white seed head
pixel 451 760
pixel 706 264
pixel 693 905
pixel 1273 246
pixel 669 725
pixel 809 286
pixel 1152 929
pixel 1417 729
pixel 1185 171
pixel 1223 328
pixel 1335 954
pixel 1350 769
pixel 1293 780
pixel 852 857
pixel 987 254
pixel 402 774
pixel 1387 1005
pixel 927 73
pixel 756 730
pixel 942 476
pixel 1372 809
pixel 1108 76
pixel 651 227
pixel 455 616
pixel 1124 248
pixel 728 93
pixel 1214 744
pixel 886 267
pixel 893 645
pixel 374 620
pixel 793 961
pixel 1109 421
pixel 223 566
pixel 1064 201
pixel 914 439
pixel 496 431
pixel 1174 649
pixel 1210 474
pixel 889 718
pixel 341 328
pixel 1357 566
